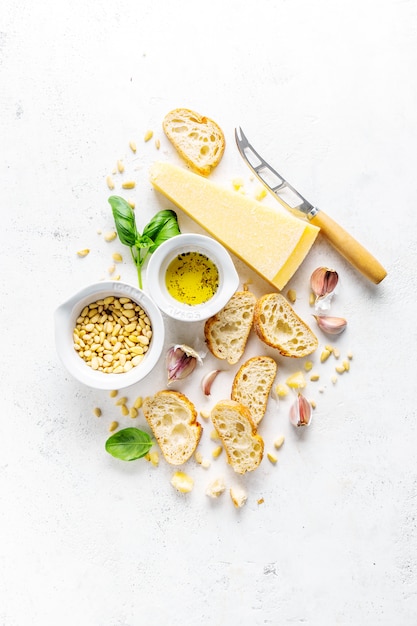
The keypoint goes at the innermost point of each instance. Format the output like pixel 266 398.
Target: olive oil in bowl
pixel 192 278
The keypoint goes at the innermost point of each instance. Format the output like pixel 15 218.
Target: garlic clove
pixel 180 362
pixel 323 282
pixel 301 412
pixel 208 380
pixel 331 325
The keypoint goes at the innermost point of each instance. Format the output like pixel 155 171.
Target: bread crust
pixel 198 139
pixel 234 321
pixel 173 420
pixel 278 326
pixel 252 384
pixel 243 446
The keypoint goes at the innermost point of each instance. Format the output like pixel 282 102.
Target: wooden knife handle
pixel 348 247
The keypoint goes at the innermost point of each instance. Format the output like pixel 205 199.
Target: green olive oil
pixel 192 278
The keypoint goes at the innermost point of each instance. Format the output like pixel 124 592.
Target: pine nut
pixel 292 295
pixel 138 402
pixel 279 442
pixel 324 355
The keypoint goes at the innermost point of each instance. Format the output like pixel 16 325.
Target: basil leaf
pixel 124 219
pixel 129 444
pixel 162 226
pixel 143 241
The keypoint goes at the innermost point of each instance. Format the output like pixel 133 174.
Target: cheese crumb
pixel 239 496
pixel 216 488
pixel 182 482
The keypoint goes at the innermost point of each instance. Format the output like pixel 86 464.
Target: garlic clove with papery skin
pixel 331 325
pixel 301 412
pixel 208 380
pixel 180 362
pixel 323 282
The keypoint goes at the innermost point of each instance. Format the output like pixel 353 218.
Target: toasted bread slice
pixel 252 384
pixel 277 324
pixel 173 420
pixel 198 139
pixel 234 425
pixel 227 332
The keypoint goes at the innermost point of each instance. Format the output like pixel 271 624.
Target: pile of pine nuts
pixel 112 335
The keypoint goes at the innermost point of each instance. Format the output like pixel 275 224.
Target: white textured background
pixel 326 91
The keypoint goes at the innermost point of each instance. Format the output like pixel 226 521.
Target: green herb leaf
pixel 143 241
pixel 124 219
pixel 129 444
pixel 162 226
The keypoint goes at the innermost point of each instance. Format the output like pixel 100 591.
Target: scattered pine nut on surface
pixel 138 402
pixel 217 452
pixel 113 426
pixel 148 135
pixel 83 253
pixel 324 355
pixel 279 441
pixel 110 236
pixel 292 295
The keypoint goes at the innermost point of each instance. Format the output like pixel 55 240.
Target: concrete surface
pixel 327 92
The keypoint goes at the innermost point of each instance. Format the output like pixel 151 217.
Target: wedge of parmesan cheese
pixel 270 240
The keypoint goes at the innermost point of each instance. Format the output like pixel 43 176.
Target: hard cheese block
pixel 271 241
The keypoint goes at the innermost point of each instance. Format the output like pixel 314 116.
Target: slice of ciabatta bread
pixel 227 332
pixel 252 384
pixel 173 420
pixel 198 139
pixel 243 446
pixel 277 324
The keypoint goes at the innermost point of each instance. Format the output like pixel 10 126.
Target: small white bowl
pixel 65 322
pixel 180 244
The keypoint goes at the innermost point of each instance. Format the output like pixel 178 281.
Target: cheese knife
pixel 344 243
